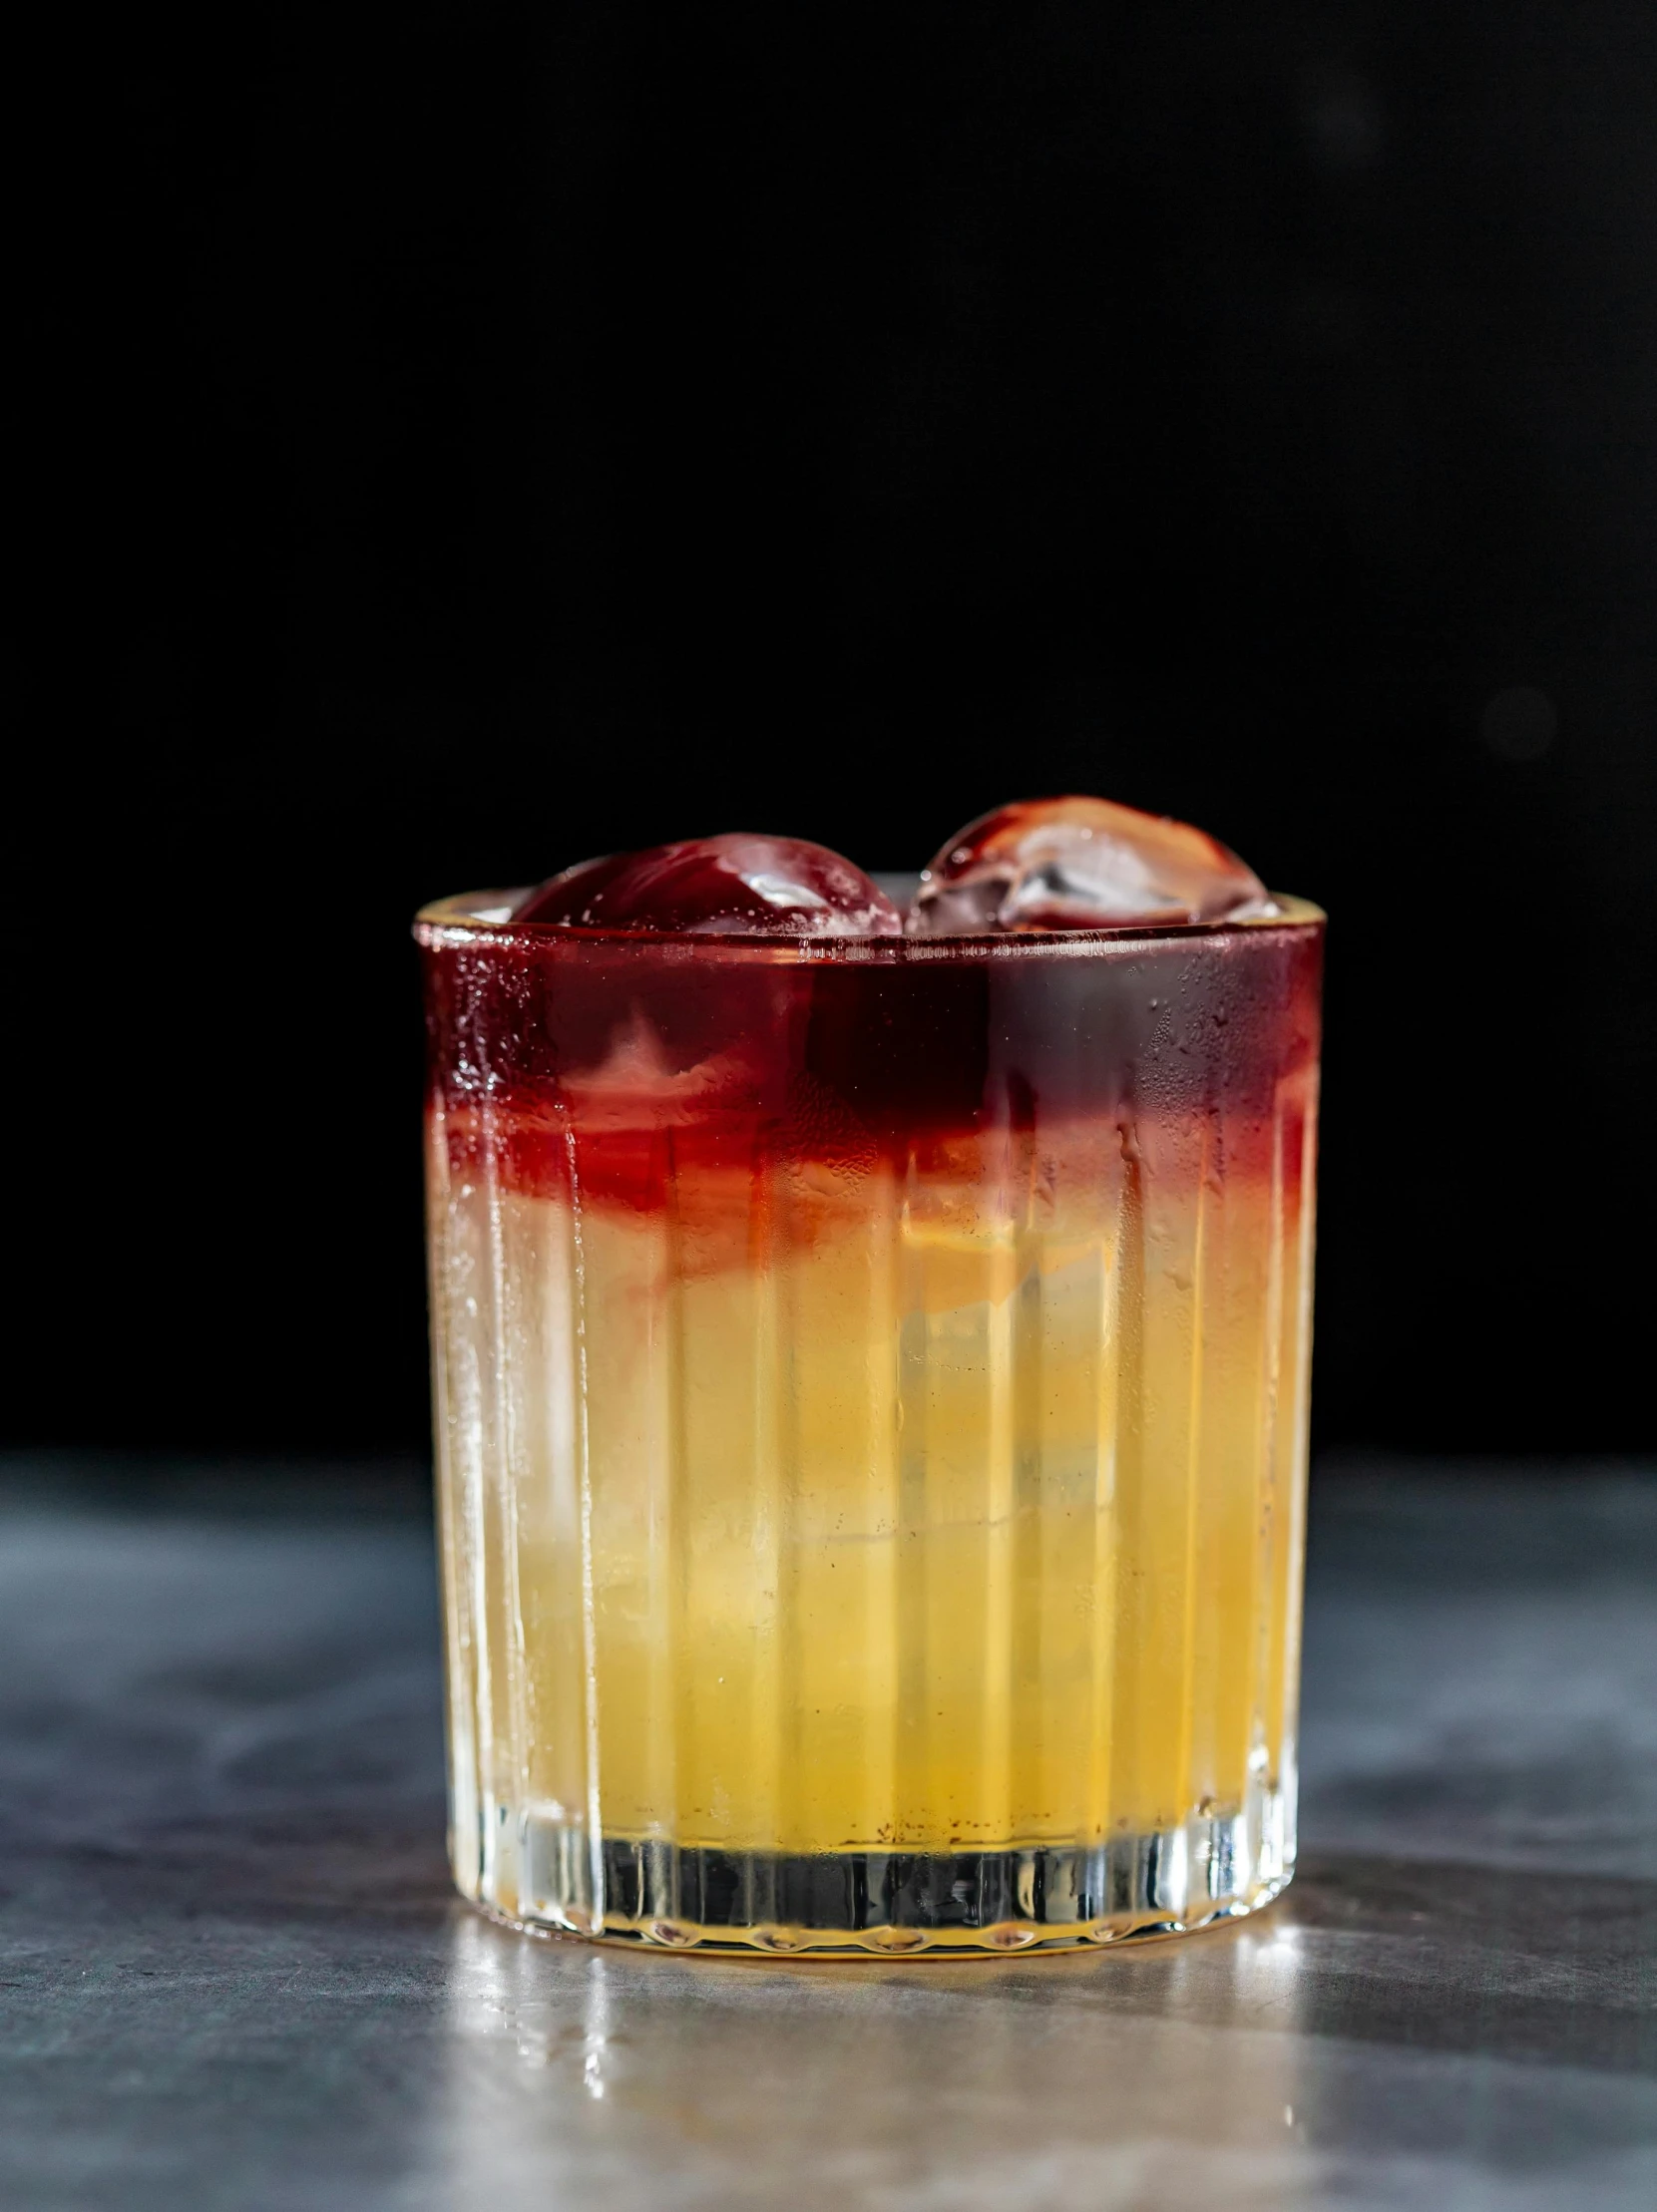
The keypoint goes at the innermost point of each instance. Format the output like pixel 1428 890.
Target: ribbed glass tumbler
pixel 871 1386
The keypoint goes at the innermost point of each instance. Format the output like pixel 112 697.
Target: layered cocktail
pixel 871 1374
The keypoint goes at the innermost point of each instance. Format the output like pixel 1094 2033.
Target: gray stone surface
pixel 231 1973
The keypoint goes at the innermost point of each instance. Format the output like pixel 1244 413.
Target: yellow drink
pixel 870 1521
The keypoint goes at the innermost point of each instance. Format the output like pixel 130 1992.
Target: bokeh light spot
pixel 1519 723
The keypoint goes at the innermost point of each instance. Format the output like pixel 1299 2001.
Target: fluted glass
pixel 871 1394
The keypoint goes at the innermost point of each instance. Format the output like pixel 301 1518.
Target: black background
pixel 454 442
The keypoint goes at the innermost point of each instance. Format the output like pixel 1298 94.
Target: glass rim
pixel 481 918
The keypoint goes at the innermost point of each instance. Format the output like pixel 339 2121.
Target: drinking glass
pixel 871 1400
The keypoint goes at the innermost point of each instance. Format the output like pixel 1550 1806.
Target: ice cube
pixel 1079 864
pixel 733 886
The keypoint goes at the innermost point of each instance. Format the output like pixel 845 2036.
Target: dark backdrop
pixel 460 439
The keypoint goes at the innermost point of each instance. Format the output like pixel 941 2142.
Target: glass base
pixel 1041 1897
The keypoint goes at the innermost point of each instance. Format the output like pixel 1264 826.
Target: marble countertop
pixel 232 1974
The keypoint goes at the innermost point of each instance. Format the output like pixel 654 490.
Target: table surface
pixel 232 1974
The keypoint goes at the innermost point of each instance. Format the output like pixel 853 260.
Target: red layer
pixel 655 1071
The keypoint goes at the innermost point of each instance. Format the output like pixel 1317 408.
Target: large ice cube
pixel 733 886
pixel 1079 864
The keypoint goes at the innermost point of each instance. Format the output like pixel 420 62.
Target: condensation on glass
pixel 871 1400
